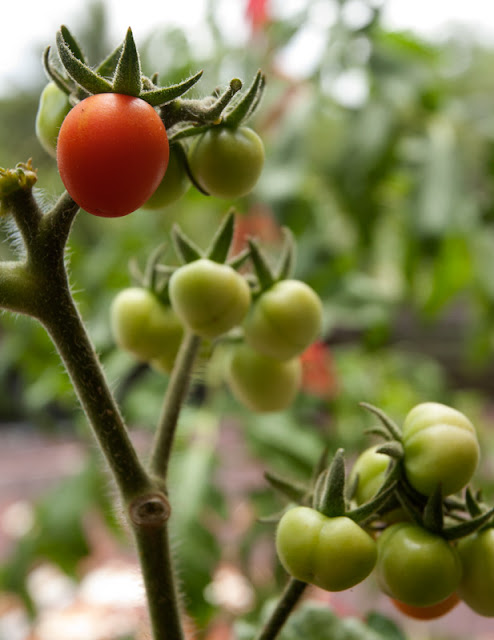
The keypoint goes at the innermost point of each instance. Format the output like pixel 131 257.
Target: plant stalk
pixel 287 602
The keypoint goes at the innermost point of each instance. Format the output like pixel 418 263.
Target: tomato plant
pixel 226 162
pixel 331 553
pixel 477 583
pixel 145 326
pixel 210 298
pixel 261 383
pixel 284 320
pixel 53 106
pixel 174 185
pixel 431 612
pixel 441 447
pixel 416 566
pixel 112 153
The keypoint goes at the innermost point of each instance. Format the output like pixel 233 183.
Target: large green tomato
pixel 441 446
pixel 416 566
pixel 284 320
pixel 260 383
pixel 210 298
pixel 477 584
pixel 144 326
pixel 53 106
pixel 173 186
pixel 227 162
pixel 331 553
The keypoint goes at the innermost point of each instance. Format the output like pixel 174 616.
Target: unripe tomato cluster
pixel 424 569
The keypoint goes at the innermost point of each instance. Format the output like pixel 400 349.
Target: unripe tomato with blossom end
pixel 53 107
pixel 477 583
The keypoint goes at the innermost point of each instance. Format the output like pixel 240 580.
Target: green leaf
pixel 127 79
pixel 158 97
pixel 385 627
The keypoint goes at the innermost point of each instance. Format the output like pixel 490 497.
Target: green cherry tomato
pixel 112 153
pixel 210 298
pixel 477 583
pixel 284 320
pixel 331 553
pixel 416 566
pixel 370 469
pixel 53 106
pixel 441 446
pixel 144 326
pixel 227 162
pixel 173 186
pixel 260 383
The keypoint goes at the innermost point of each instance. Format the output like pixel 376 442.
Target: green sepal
pixel 330 493
pixel 187 131
pixel 367 510
pixel 433 517
pixel 107 67
pixel 235 262
pixel 127 78
pixel 292 490
pixel 72 43
pixel 213 112
pixel 135 272
pixel 467 528
pixel 272 518
pixel 187 251
pixel 150 273
pixel 393 449
pixel 246 104
pixel 80 72
pixel 54 74
pixel 286 264
pixel 321 464
pixel 158 97
pixel 472 503
pixel 408 505
pixel 379 431
pixel 392 428
pixel 262 269
pixel 220 244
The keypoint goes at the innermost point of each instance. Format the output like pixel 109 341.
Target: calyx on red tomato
pixel 284 320
pixel 226 162
pixel 53 106
pixel 477 583
pixel 331 553
pixel 440 447
pixel 112 153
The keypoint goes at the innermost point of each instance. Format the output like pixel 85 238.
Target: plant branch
pixel 288 600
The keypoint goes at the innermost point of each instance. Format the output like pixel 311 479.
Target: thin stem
pixel 288 600
pixel 178 386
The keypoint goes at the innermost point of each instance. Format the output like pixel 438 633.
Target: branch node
pixel 150 511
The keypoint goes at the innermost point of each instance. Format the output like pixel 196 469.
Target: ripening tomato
pixel 260 383
pixel 331 553
pixel 53 106
pixel 477 583
pixel 226 162
pixel 210 298
pixel 112 153
pixel 284 320
pixel 173 186
pixel 441 447
pixel 428 613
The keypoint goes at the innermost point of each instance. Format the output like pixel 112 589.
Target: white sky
pixel 28 22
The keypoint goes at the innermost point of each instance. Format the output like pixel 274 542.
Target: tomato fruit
pixel 173 186
pixel 53 106
pixel 332 553
pixel 210 298
pixel 416 566
pixel 477 583
pixel 284 320
pixel 227 162
pixel 370 467
pixel 144 326
pixel 441 446
pixel 431 612
pixel 260 383
pixel 112 153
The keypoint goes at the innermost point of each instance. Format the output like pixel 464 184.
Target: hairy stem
pixel 288 600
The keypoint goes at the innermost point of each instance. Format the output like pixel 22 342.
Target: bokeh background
pixel 379 131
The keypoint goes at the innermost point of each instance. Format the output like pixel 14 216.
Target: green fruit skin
pixel 416 566
pixel 53 106
pixel 260 383
pixel 226 162
pixel 332 553
pixel 284 320
pixel 144 326
pixel 477 583
pixel 210 298
pixel 440 446
pixel 370 467
pixel 174 185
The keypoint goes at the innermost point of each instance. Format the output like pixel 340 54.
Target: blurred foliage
pixel 379 157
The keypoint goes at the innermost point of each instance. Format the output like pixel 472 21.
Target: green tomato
pixel 477 583
pixel 441 446
pixel 227 162
pixel 144 326
pixel 53 106
pixel 173 186
pixel 210 298
pixel 260 383
pixel 370 468
pixel 284 320
pixel 416 566
pixel 331 553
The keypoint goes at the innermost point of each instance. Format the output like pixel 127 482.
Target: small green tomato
pixel 53 106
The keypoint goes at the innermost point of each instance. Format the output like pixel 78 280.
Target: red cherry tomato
pixel 431 612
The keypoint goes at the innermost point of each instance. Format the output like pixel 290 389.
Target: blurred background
pixel 378 122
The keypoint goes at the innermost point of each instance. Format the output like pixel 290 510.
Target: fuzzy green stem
pixel 287 602
pixel 178 386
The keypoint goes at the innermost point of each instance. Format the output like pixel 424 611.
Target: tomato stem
pixel 287 602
